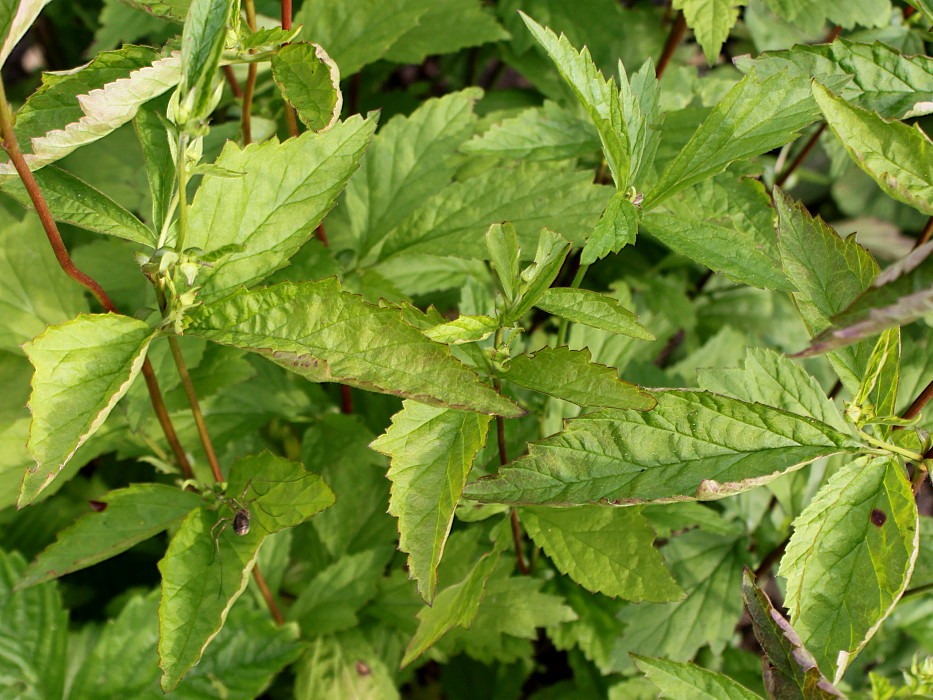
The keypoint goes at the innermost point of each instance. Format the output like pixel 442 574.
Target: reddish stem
pixel 805 151
pixel 267 596
pixel 925 234
pixel 233 83
pixel 286 14
pixel 674 38
pixel 346 399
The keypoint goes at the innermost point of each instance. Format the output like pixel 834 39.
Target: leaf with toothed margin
pixel 83 367
pixel 849 559
pixel 791 671
pixel 432 451
pixel 693 446
pixel 310 81
pixel 328 335
pixel 592 309
pixel 678 680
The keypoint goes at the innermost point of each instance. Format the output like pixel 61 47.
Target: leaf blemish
pixel 878 517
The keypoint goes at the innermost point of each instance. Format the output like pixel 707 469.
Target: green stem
pixel 182 193
pixel 912 456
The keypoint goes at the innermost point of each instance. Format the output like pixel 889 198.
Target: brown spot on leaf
pixel 362 668
pixel 878 517
pixel 98 506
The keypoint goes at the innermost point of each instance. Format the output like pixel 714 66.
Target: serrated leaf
pixel 34 292
pixel 454 221
pixel 757 115
pixel 606 550
pixel 678 680
pixel 599 97
pixel 310 81
pixel 325 334
pixel 537 277
pixel 878 389
pixel 539 133
pixel 572 376
pixel 207 566
pixel 464 329
pixel 641 110
pixel 711 22
pixel 693 445
pixel 894 155
pixel 83 367
pixel 432 451
pixel 33 635
pixel 169 10
pixel 873 76
pixel 16 17
pixel 267 37
pixel 343 665
pixel 849 559
pixel 617 227
pixel 130 515
pixel 592 309
pixel 435 33
pixel 828 271
pixel 455 605
pixel 299 181
pixel 76 202
pixel 869 13
pixel 791 670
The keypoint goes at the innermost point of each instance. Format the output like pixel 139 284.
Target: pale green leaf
pixel 791 670
pixel 202 42
pixel 207 565
pixel 358 32
pixel 169 10
pixel 130 515
pixel 606 550
pixel 592 309
pixel 572 376
pixel 711 22
pixel 694 445
pixel 310 81
pixel 432 451
pixel 537 277
pixel 539 133
pixel 325 334
pixel 641 110
pixel 878 391
pixel 617 227
pixel 16 17
pixel 896 156
pixel 464 329
pixel 849 559
pixel 34 291
pixel 74 201
pixel 33 635
pixel 160 167
pixel 455 605
pixel 531 195
pixel 343 665
pixel 678 680
pixel 401 169
pixel 504 254
pixel 274 208
pixel 829 272
pixel 447 27
pixel 599 97
pixel 757 115
pixel 872 76
pixel 596 628
pixel 847 13
pixel 267 38
pixel 83 367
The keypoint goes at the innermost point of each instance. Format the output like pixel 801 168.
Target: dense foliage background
pixel 480 233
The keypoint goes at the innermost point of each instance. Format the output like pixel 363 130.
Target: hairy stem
pixel 11 146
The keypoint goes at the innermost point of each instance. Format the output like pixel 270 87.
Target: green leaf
pixel 771 379
pixel 33 635
pixel 432 451
pixel 325 334
pixel 169 10
pixel 76 202
pixel 686 680
pixel 694 445
pixel 711 22
pixel 160 167
pixel 310 81
pixel 592 309
pixel 756 116
pixel 435 33
pixel 464 329
pixel 869 13
pixel 299 181
pixel 829 272
pixel 343 665
pixel 504 254
pixel 606 550
pixel 83 367
pixel 358 32
pixel 879 385
pixel 641 110
pixel 207 565
pixel 34 292
pixel 539 133
pixel 791 670
pixel 849 559
pixel 896 156
pixel 454 221
pixel 572 376
pixel 129 516
pixel 535 279
pixel 16 17
pixel 617 227
pixel 202 42
pixel 872 76
pixel 401 169
pixel 455 605
pixel 599 97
